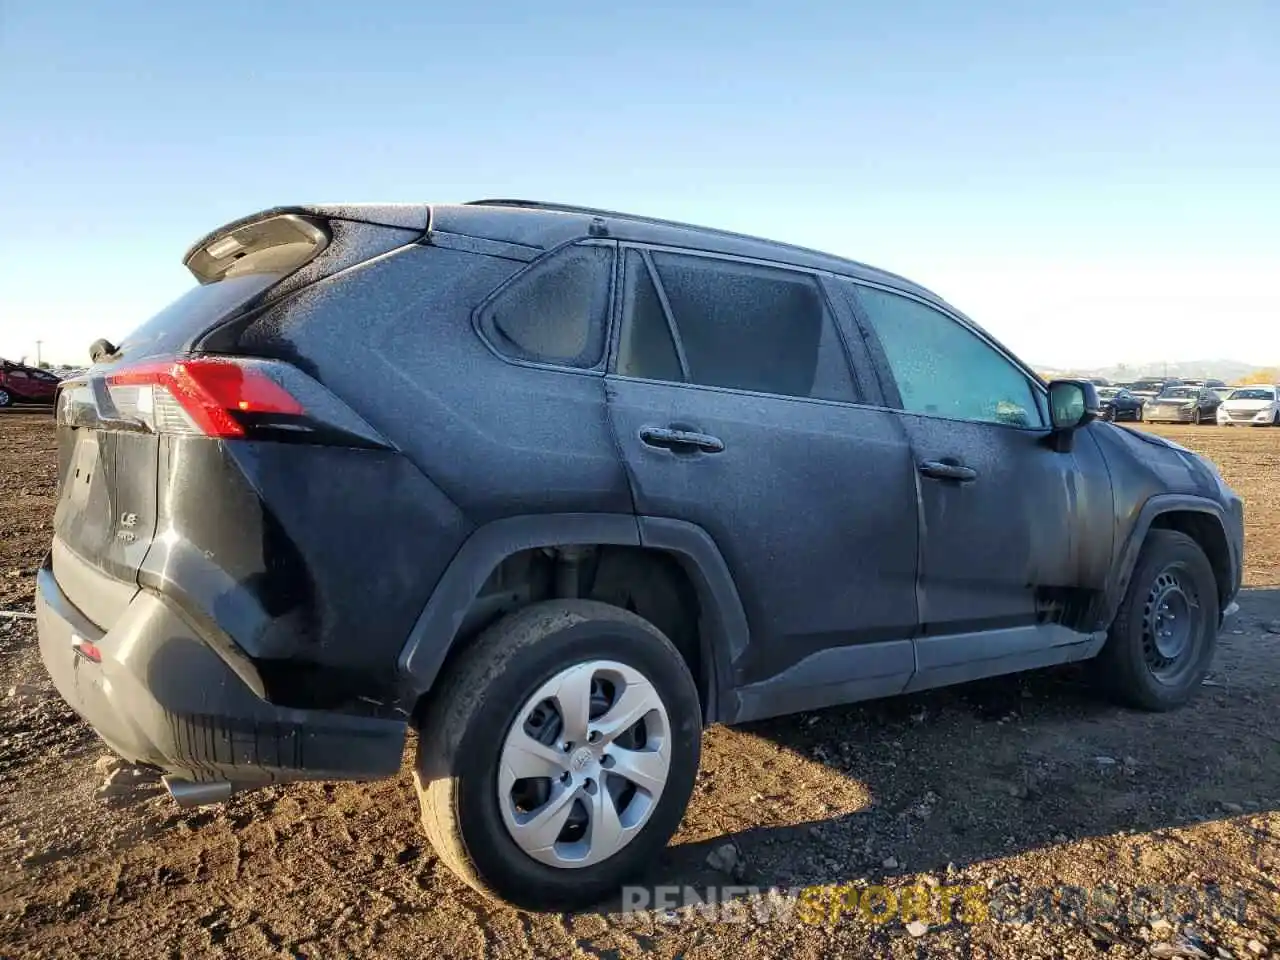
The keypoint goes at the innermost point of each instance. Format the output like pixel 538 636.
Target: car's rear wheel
pixel 5 398
pixel 1162 640
pixel 559 754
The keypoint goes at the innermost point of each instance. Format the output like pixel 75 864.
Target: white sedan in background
pixel 1253 406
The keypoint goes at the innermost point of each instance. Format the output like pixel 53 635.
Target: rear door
pixel 733 402
pixel 1015 532
pixel 111 419
pixel 106 514
pixel 108 451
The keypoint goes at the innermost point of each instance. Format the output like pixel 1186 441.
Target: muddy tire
pixel 558 754
pixel 1162 640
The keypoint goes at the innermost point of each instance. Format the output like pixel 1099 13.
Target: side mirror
pixel 1072 404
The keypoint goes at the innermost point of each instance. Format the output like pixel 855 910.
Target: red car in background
pixel 22 384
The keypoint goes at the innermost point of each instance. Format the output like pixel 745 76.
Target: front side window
pixel 728 324
pixel 556 311
pixel 944 369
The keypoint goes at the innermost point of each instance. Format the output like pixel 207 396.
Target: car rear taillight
pixel 199 396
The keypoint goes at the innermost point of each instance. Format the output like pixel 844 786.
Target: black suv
pixel 556 488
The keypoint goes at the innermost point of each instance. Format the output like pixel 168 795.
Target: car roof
pixel 544 225
pixel 538 225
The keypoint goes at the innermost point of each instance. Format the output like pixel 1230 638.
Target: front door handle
pixel 680 441
pixel 941 470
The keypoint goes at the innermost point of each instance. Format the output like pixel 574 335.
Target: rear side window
pixel 728 324
pixel 645 348
pixel 944 369
pixel 556 311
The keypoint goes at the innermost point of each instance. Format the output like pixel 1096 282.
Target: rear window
pixel 174 327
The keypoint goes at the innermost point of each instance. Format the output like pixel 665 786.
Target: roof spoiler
pixel 282 239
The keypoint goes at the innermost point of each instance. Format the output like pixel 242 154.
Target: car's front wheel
pixel 559 753
pixel 1162 640
pixel 5 398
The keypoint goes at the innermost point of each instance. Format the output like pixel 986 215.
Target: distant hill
pixel 1229 371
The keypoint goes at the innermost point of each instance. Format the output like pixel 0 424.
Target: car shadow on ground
pixel 968 775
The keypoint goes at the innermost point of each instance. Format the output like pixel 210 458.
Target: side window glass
pixel 555 312
pixel 742 326
pixel 645 347
pixel 943 369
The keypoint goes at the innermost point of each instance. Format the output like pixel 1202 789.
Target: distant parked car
pixel 1117 403
pixel 22 384
pixel 1183 404
pixel 1257 406
pixel 1149 388
pixel 1224 392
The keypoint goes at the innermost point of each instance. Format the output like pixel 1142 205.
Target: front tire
pixel 5 398
pixel 558 755
pixel 1162 640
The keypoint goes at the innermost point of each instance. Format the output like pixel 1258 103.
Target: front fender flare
pixel 1126 558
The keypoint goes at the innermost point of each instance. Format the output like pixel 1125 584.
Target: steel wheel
pixel 1172 620
pixel 584 764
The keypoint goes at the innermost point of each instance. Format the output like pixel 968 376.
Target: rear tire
pixel 484 790
pixel 1162 640
pixel 5 398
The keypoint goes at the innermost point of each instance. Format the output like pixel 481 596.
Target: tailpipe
pixel 187 793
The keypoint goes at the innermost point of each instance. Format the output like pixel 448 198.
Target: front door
pixel 734 407
pixel 1017 534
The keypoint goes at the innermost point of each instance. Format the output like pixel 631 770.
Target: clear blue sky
pixel 1093 181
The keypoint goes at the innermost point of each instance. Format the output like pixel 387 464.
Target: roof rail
pixel 594 211
pixel 597 212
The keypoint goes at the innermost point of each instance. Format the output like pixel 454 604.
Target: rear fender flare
pixel 723 630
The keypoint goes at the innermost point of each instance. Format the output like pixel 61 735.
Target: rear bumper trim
pixel 161 696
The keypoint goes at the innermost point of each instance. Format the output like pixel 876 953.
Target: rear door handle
pixel 680 441
pixel 940 470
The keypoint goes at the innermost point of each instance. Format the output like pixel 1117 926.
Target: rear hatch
pixel 163 379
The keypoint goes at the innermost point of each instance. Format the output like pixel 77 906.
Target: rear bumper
pixel 162 697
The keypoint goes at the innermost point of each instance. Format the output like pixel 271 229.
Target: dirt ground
pixel 1058 825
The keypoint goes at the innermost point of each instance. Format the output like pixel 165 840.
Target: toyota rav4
pixel 555 488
